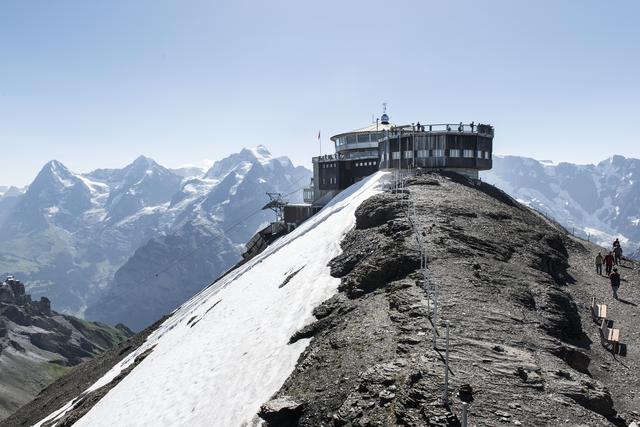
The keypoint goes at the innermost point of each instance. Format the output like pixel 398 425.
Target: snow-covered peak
pixel 143 162
pixel 261 154
pixel 52 178
pixel 220 169
pixel 60 173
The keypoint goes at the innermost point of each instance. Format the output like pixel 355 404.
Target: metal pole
pixel 445 394
pixel 465 409
pixel 435 314
pixel 400 150
pixel 413 154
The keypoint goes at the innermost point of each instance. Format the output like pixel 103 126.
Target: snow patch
pixel 261 154
pixel 225 352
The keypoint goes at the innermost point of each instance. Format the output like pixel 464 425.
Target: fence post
pixel 465 410
pixel 445 393
pixel 435 315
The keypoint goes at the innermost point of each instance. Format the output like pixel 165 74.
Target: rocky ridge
pixel 522 343
pixel 38 345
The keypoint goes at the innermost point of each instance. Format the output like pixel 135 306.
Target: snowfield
pixel 224 352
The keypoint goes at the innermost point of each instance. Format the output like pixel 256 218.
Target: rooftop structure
pixel 461 148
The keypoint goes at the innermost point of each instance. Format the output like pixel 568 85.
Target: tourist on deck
pixel 615 282
pixel 599 261
pixel 617 254
pixel 608 262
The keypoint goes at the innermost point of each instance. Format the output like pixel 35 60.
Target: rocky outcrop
pixel 283 411
pixel 37 345
pixel 518 348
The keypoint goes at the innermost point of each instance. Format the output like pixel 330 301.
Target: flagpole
pixel 320 143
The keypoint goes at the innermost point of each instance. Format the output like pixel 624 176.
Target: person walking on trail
pixel 599 261
pixel 617 253
pixel 616 243
pixel 615 282
pixel 608 262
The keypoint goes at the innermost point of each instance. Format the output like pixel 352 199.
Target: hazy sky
pixel 96 83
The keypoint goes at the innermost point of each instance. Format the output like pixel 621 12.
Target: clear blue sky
pixel 96 83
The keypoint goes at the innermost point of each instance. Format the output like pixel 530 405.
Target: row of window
pixel 468 154
pixel 353 138
pixel 453 152
pixel 327 165
pixel 331 181
pixel 359 164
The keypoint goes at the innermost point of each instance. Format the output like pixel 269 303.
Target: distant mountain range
pixel 127 245
pixel 599 202
pixel 37 345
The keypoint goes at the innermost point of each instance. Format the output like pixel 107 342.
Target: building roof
pixel 373 127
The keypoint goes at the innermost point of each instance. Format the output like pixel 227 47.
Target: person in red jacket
pixel 608 262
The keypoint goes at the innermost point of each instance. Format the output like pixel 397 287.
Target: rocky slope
pixel 38 345
pixel 514 288
pixel 594 201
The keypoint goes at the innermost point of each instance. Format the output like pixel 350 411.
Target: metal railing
pixel 482 129
pixel 398 187
pixel 346 156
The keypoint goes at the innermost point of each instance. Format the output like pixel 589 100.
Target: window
pixel 408 154
pixel 454 152
pixel 423 153
pixel 395 155
pixel 467 153
pixel 374 137
pixel 351 139
pixel 479 154
pixel 438 152
pixel 363 138
pixel 487 155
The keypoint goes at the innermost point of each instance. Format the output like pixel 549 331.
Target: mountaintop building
pixel 461 148
pixel 465 149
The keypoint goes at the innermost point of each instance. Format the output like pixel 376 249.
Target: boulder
pixel 281 412
pixel 377 210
